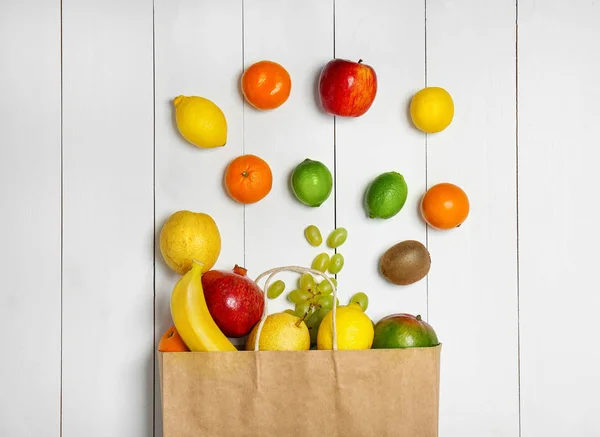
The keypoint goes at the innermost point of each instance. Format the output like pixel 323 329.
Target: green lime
pixel 312 182
pixel 386 195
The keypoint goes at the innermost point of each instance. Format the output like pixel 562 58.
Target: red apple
pixel 347 88
pixel 235 301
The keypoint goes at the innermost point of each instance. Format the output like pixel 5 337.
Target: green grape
pixel 334 282
pixel 312 320
pixel 302 308
pixel 362 299
pixel 336 263
pixel 296 296
pixel 326 302
pixel 289 311
pixel 321 262
pixel 322 313
pixel 313 235
pixel 307 282
pixel 304 295
pixel 337 237
pixel 324 287
pixel 276 289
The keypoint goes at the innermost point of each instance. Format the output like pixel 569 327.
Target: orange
pixel 266 85
pixel 248 179
pixel 172 342
pixel 445 206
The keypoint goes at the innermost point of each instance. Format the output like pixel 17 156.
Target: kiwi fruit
pixel 405 263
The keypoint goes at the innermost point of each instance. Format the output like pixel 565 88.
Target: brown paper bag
pixel 364 393
pixel 378 393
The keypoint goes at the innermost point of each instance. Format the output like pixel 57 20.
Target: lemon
pixel 280 333
pixel 200 121
pixel 354 329
pixel 432 109
pixel 188 236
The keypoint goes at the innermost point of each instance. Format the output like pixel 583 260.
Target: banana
pixel 191 316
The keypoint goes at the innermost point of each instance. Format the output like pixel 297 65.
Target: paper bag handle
pixel 296 269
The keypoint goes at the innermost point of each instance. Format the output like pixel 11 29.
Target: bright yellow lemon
pixel 200 121
pixel 432 109
pixel 354 329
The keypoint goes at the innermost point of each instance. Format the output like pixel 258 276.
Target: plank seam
pixel 60 429
pixel 426 165
pixel 154 339
pixel 244 123
pixel 334 144
pixel 518 272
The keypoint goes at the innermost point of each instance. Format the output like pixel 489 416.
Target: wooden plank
pixel 559 64
pixel 286 136
pixel 388 36
pixel 30 196
pixel 108 379
pixel 198 52
pixel 473 280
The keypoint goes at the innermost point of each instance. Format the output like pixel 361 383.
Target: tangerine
pixel 266 85
pixel 171 342
pixel 248 179
pixel 445 206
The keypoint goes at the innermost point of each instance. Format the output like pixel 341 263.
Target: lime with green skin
pixel 401 331
pixel 311 182
pixel 386 195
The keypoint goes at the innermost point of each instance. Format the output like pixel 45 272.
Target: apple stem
pixel 360 61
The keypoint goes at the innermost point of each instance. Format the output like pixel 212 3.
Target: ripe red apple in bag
pixel 347 88
pixel 235 301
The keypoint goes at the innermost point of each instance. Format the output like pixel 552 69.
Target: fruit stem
pixel 419 317
pixel 240 270
pixel 360 61
pixel 304 316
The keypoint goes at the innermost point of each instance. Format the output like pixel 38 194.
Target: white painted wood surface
pixel 473 280
pixel 108 220
pixel 286 136
pixel 30 198
pixel 504 290
pixel 196 42
pixel 559 66
pixel 391 39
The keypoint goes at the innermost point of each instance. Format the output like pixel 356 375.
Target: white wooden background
pixel 91 165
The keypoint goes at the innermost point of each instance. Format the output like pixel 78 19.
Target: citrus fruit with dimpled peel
pixel 311 182
pixel 445 206
pixel 354 329
pixel 200 121
pixel 266 85
pixel 281 332
pixel 187 236
pixel 432 109
pixel 248 179
pixel 386 195
pixel 399 331
pixel 171 342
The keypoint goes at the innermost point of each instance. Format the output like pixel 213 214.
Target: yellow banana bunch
pixel 191 316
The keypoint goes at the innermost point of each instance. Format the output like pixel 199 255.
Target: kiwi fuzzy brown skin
pixel 405 263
